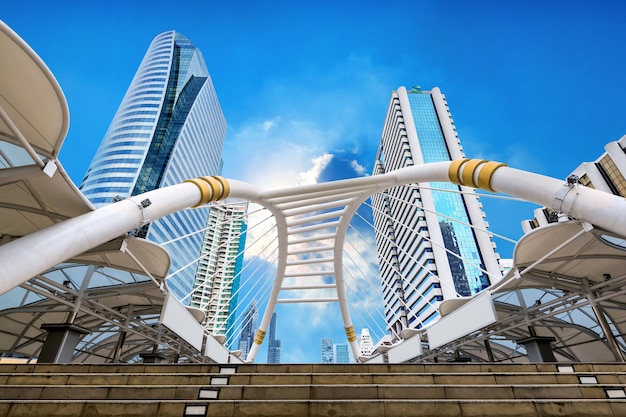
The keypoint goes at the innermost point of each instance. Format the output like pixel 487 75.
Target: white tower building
pixel 425 256
pixel 217 276
pixel 365 343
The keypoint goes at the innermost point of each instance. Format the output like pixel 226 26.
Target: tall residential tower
pixel 168 128
pixel 426 248
pixel 215 289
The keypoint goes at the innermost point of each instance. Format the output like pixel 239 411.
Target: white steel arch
pixel 326 207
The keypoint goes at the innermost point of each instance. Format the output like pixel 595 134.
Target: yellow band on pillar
pixel 468 172
pixel 485 174
pixel 455 167
pixel 216 187
pixel 225 187
pixel 205 191
pixel 350 333
pixel 260 335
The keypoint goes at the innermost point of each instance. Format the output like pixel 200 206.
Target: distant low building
pixel 341 353
pixel 326 349
pixel 365 343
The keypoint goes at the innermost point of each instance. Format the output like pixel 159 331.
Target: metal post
pixel 604 324
pixel 488 349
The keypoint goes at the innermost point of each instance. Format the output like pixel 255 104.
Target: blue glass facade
pixel 273 348
pixel 234 300
pixel 463 253
pixel 168 128
pixel 427 251
pixel 249 325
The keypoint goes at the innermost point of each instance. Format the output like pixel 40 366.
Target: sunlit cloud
pixel 268 124
pixel 311 176
pixel 278 153
pixel 358 168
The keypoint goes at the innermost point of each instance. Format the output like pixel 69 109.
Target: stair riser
pixel 409 392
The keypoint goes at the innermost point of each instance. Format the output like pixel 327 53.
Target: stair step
pixel 396 391
pixel 548 389
pixel 171 379
pixel 423 378
pixel 419 408
pixel 315 392
pixel 88 408
pixel 308 368
pixel 109 379
pixel 110 392
pixel 306 408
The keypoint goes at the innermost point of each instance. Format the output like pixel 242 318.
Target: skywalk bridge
pixel 45 222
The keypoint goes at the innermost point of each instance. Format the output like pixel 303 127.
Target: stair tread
pixel 397 400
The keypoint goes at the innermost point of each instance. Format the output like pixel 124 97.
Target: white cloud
pixel 269 124
pixel 358 168
pixel 277 153
pixel 311 176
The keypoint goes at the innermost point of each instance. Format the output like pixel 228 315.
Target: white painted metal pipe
pixel 33 254
pixel 599 208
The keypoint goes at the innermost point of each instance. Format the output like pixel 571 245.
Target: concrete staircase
pixel 546 389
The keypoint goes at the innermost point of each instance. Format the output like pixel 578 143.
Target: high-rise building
pixel 249 326
pixel 217 278
pixel 365 343
pixel 341 353
pixel 607 172
pixel 168 128
pixel 273 348
pixel 334 352
pixel 326 348
pixel 425 256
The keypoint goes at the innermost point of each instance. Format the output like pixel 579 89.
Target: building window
pixel 611 174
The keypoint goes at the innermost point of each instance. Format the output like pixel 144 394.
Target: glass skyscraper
pixel 168 128
pixel 249 326
pixel 273 348
pixel 426 248
pixel 341 353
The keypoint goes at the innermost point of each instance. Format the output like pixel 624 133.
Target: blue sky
pixel 538 85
